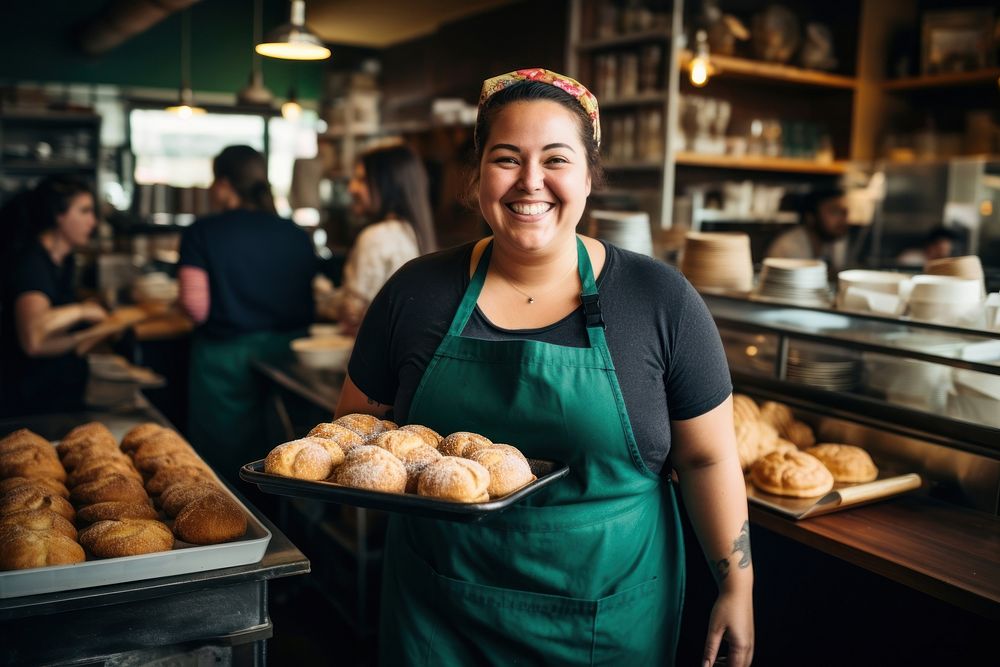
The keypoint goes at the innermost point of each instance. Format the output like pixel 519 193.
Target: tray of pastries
pixel 788 472
pixel 89 510
pixel 369 462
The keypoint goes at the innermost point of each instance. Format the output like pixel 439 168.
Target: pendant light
pixel 185 107
pixel 255 93
pixel 293 41
pixel 700 68
pixel 291 109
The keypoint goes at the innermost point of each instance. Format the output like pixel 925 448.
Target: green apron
pixel 589 571
pixel 226 398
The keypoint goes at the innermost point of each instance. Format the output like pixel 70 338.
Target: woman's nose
pixel 532 178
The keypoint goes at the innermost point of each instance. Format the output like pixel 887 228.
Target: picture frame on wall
pixel 955 41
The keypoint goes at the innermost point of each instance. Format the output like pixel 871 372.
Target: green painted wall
pixel 39 45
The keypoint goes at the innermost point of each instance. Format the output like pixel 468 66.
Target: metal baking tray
pixel 184 558
pixel 546 472
pixel 842 496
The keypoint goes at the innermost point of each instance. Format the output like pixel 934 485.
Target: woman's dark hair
pixel 29 213
pixel 246 171
pixel 398 186
pixel 533 91
pixel 813 199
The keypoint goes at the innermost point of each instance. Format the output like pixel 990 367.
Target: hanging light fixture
pixel 700 68
pixel 185 107
pixel 255 92
pixel 293 41
pixel 291 109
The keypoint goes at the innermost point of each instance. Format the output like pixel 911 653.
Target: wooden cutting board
pixel 841 497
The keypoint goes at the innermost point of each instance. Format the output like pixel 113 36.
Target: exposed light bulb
pixel 700 68
pixel 291 110
pixel 699 72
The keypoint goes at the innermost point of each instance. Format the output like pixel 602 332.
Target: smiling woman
pixel 576 351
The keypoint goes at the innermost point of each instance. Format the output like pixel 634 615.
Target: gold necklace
pixel 530 298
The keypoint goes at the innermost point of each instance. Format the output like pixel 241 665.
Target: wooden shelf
pixel 656 97
pixel 980 77
pixel 634 165
pixel 627 39
pixel 728 66
pixel 760 163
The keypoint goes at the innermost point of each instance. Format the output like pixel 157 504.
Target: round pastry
pixel 160 444
pixel 114 538
pixel 41 520
pixel 31 461
pixel 93 432
pixel 138 434
pixel 178 496
pixel 455 443
pixel 767 438
pixel 76 457
pixel 409 448
pixel 389 425
pixel 97 468
pixel 30 497
pixel 345 438
pixel 782 445
pixel 747 442
pixel 799 433
pixel 373 468
pixel 745 408
pixel 794 474
pixel 20 437
pixel 364 425
pixel 778 415
pixel 510 449
pixel 167 477
pixel 116 509
pixel 456 479
pixel 44 484
pixel 211 519
pixel 306 458
pixel 153 464
pixel 21 548
pixel 114 486
pixel 508 472
pixel 430 436
pixel 847 463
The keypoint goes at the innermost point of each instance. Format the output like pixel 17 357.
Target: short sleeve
pixel 30 275
pixel 698 379
pixel 370 367
pixel 193 251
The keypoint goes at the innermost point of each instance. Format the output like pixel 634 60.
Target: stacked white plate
pixel 718 260
pixel 824 371
pixel 799 281
pixel 625 229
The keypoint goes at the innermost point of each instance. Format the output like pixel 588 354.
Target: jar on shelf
pixel 628 75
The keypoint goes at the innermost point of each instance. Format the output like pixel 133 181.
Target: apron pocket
pixel 632 626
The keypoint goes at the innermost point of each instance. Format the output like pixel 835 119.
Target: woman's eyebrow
pixel 512 147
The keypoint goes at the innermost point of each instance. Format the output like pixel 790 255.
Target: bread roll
pixel 455 479
pixel 776 414
pixel 44 484
pixel 21 548
pixel 92 432
pixel 747 442
pixel 307 458
pixel 32 498
pixel 31 461
pixel 389 425
pixel 800 433
pixel 151 465
pixel 478 447
pixel 211 519
pixel 373 468
pixel 138 434
pixel 767 438
pixel 429 435
pixel 115 538
pixel 40 519
pixel 364 425
pixel 165 478
pixel 78 456
pixel 847 463
pixel 455 443
pixel 116 509
pixel 100 467
pixel 345 438
pixel 745 408
pixel 409 448
pixel 21 437
pixel 114 486
pixel 508 471
pixel 791 473
pixel 178 496
pixel 160 444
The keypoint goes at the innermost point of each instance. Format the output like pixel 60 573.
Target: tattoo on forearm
pixel 742 545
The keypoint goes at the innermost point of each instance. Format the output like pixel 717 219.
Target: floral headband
pixel 571 86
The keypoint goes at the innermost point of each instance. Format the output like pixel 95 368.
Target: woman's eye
pixel 505 160
pixel 557 159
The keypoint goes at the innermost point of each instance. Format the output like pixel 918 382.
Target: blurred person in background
pixel 245 279
pixel 42 324
pixel 821 232
pixel 939 243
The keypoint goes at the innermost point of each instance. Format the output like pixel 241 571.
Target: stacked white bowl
pixel 882 292
pixel 946 300
pixel 799 281
pixel 718 260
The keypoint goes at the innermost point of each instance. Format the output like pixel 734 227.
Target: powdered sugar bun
pixel 508 471
pixel 126 537
pixel 455 443
pixel 40 520
pixel 345 438
pixel 306 458
pixel 456 479
pixel 363 425
pixel 373 468
pixel 429 435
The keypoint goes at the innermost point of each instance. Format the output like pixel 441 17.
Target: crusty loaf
pixel 373 468
pixel 113 486
pixel 116 509
pixel 94 432
pixel 791 473
pixel 22 548
pixel 21 437
pixel 115 538
pixel 211 519
pixel 31 497
pixel 508 471
pixel 456 479
pixel 31 461
pixel 44 484
pixel 777 414
pixel 80 455
pixel 151 465
pixel 39 519
pixel 745 408
pixel 799 433
pixel 307 458
pixel 138 434
pixel 847 463
pixel 93 469
pixel 167 477
pixel 176 497
pixel 454 444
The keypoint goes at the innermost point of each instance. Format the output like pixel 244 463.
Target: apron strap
pixel 468 304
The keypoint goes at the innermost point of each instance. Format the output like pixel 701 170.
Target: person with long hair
pixel 390 189
pixel 42 319
pixel 572 350
pixel 245 279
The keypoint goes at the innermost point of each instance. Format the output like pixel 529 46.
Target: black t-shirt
pixel 260 269
pixel 664 344
pixel 37 384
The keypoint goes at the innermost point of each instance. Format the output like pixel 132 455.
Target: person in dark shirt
pixel 246 280
pixel 42 322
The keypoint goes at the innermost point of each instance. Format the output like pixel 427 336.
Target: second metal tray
pixel 546 472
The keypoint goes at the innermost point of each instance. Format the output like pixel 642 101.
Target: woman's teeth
pixel 529 209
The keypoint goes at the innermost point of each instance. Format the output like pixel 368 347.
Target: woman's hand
pixel 92 312
pixel 732 620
